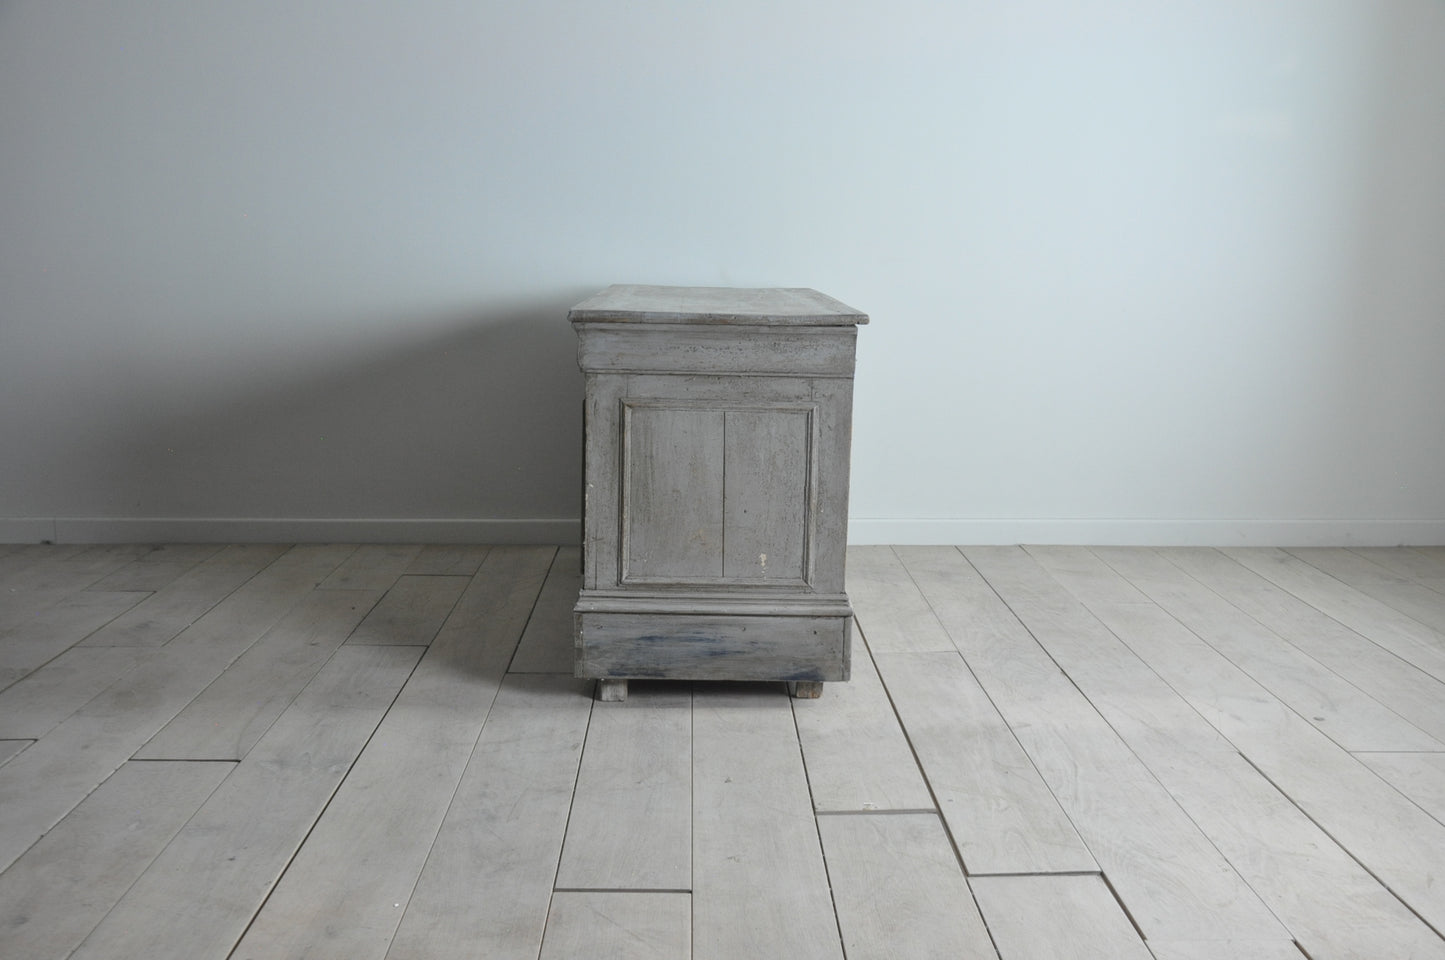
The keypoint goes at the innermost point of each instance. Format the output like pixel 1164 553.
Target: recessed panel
pixel 766 518
pixel 672 492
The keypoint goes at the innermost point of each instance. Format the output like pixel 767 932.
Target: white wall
pixel 1137 271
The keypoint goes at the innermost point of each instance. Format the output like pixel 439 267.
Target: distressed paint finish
pixel 715 501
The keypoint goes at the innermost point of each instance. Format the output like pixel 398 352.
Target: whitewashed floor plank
pixel 760 889
pixel 485 887
pixel 618 926
pixel 889 607
pixel 1400 593
pixel 344 892
pixel 1085 576
pixel 198 896
pixel 35 705
pixel 547 644
pixel 899 891
pixel 45 783
pixel 855 752
pixel 54 895
pixel 227 718
pixel 372 567
pixel 1419 776
pixel 1391 837
pixel 12 748
pixel 631 824
pixel 1000 812
pixel 144 575
pixel 1069 918
pixel 1225 950
pixel 1403 635
pixel 1172 879
pixel 165 613
pixel 1411 692
pixel 32 643
pixel 412 611
pixel 1424 568
pixel 449 560
pixel 1343 712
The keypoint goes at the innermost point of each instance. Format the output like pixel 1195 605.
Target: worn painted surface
pixel 718 425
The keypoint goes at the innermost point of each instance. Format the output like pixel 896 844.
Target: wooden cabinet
pixel 715 509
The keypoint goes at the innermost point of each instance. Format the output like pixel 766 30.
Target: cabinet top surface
pixel 785 306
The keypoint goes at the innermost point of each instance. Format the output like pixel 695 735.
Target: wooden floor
pixel 378 752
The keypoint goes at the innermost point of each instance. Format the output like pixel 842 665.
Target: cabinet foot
pixel 611 691
pixel 806 689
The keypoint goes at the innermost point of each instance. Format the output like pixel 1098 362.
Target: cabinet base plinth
pixel 809 650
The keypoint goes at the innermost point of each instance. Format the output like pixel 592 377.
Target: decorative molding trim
pixel 1154 533
pixel 272 530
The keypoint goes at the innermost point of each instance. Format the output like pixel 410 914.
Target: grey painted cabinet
pixel 715 510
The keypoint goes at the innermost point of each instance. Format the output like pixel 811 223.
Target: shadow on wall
pixel 476 416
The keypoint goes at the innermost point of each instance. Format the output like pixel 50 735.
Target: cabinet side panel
pixel 672 500
pixel 766 514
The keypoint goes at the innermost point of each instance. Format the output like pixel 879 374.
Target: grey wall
pixel 1137 271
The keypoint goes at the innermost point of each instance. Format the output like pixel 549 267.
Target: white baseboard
pixel 26 530
pixel 239 530
pixel 1153 533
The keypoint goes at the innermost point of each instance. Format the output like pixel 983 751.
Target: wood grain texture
pixel 449 560
pixel 372 567
pixel 547 645
pixel 893 614
pixel 1401 594
pixel 1411 692
pixel 755 843
pixel 144 575
pixel 1085 576
pixel 63 886
pixel 854 749
pixel 710 647
pixel 1336 706
pixel 1001 814
pixel 1173 881
pixel 342 894
pixel 672 492
pixel 168 611
pixel 48 780
pixel 682 350
pixel 32 643
pixel 1391 837
pixel 646 303
pixel 1397 632
pixel 618 926
pixel 1419 776
pixel 899 891
pixel 1225 950
pixel 485 887
pixel 227 718
pixel 45 698
pixel 198 896
pixel 767 474
pixel 1033 917
pixel 411 612
pixel 631 824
